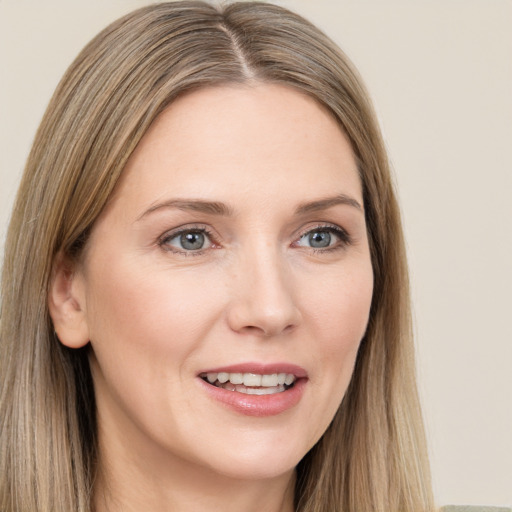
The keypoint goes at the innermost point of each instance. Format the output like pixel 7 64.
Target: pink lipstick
pixel 255 389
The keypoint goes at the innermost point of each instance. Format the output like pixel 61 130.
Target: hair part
pixel 373 455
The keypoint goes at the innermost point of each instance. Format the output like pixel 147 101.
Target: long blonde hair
pixel 373 455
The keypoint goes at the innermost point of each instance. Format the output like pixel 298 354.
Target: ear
pixel 66 302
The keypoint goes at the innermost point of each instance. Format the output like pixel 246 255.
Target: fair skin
pixel 235 242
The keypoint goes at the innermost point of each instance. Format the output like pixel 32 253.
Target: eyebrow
pixel 328 202
pixel 222 209
pixel 196 205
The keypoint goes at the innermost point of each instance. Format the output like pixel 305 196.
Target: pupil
pixel 320 239
pixel 192 241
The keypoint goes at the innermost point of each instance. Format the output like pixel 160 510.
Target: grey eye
pixel 328 237
pixel 319 239
pixel 192 241
pixel 189 241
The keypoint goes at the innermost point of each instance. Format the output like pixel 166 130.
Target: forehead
pixel 266 139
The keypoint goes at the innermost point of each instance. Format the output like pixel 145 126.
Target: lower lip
pixel 257 405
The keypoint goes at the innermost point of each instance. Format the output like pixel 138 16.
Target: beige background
pixel 440 72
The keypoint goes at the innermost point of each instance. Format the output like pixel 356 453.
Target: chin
pixel 259 459
pixel 260 469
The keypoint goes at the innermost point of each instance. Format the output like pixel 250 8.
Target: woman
pixel 209 254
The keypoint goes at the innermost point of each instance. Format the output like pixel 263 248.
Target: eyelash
pixel 344 239
pixel 167 237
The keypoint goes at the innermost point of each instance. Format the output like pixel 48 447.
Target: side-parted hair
pixel 372 458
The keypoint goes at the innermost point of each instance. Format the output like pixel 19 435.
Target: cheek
pixel 340 308
pixel 147 327
pixel 339 317
pixel 137 311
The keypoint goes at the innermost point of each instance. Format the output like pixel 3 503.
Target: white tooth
pixel 252 379
pixel 269 380
pixel 223 377
pixel 236 378
pixel 264 391
pixel 289 379
pixel 212 377
pixel 281 377
pixel 241 389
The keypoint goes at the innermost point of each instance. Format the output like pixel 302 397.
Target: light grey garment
pixel 473 508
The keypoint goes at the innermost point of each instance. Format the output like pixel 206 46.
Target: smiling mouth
pixel 251 383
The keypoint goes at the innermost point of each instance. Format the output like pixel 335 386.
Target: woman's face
pixel 233 256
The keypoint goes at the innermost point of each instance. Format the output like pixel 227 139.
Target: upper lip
pixel 260 369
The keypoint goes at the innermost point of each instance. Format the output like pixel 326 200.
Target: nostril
pixel 252 329
pixel 267 331
pixel 288 329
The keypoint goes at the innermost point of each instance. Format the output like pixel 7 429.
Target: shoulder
pixel 473 508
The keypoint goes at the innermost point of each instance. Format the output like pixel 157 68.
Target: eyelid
pixel 163 240
pixel 344 237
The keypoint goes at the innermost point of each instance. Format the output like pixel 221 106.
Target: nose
pixel 263 303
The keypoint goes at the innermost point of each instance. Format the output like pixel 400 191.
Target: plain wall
pixel 440 73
